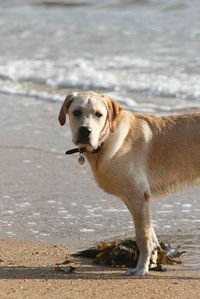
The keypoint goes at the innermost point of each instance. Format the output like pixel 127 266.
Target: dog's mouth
pixel 88 147
pixel 84 144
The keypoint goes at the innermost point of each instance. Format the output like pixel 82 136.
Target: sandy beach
pixel 51 206
pixel 28 271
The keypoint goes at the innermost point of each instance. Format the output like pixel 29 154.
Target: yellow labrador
pixel 135 157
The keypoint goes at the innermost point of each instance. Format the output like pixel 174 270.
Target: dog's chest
pixel 107 178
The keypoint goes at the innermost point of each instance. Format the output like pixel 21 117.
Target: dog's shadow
pixel 87 272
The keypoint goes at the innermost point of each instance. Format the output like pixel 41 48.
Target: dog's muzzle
pixel 83 135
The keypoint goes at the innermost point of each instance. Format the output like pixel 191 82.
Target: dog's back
pixel 173 159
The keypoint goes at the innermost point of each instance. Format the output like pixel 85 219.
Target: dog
pixel 135 157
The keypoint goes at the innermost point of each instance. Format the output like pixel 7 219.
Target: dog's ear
pixel 65 106
pixel 114 111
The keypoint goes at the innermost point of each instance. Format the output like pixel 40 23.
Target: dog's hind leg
pixel 155 239
pixel 155 248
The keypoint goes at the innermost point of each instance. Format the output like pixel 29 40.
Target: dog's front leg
pixel 141 212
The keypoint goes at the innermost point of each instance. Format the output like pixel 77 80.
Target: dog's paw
pixel 136 272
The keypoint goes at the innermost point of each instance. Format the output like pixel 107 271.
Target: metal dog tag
pixel 81 159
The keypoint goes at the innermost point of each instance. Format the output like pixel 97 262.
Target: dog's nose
pixel 84 131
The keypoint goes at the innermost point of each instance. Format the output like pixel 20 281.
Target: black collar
pixel 82 150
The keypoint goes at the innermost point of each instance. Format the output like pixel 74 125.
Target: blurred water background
pixel 146 53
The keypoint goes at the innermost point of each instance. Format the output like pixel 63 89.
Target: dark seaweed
pixel 125 253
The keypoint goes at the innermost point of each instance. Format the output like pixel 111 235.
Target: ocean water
pixel 146 53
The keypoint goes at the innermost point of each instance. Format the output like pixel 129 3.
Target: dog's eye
pixel 98 114
pixel 77 113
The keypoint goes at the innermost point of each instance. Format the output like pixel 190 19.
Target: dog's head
pixel 92 116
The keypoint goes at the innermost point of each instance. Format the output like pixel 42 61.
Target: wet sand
pixel 48 197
